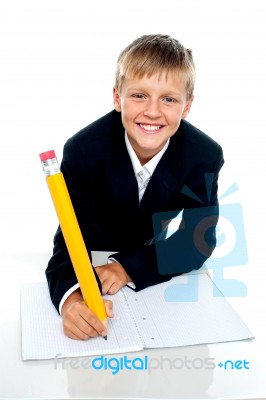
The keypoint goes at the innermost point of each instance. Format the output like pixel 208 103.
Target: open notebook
pixel 142 320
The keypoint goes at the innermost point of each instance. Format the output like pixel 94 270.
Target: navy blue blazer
pixel 104 191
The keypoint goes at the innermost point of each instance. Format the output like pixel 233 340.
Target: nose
pixel 152 109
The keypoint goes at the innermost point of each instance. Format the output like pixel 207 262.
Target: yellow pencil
pixel 72 235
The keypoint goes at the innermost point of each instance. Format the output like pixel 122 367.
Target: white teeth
pixel 150 127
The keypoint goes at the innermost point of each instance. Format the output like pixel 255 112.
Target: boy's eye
pixel 169 100
pixel 138 96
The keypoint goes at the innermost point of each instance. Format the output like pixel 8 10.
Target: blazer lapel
pixel 122 180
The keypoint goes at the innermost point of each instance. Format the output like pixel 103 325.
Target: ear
pixel 187 108
pixel 116 99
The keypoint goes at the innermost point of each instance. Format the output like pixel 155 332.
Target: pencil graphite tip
pixel 105 337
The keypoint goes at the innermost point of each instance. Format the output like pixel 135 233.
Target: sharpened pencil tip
pixel 105 337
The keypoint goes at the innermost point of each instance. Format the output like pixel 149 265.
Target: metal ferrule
pixel 50 167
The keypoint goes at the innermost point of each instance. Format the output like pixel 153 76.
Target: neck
pixel 143 159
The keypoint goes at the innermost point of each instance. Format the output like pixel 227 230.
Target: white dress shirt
pixel 143 174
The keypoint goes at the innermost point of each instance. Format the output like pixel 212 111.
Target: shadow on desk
pixel 185 372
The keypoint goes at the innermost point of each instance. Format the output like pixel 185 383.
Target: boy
pixel 139 160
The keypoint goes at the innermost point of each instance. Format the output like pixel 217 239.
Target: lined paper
pixel 142 320
pixel 180 323
pixel 43 336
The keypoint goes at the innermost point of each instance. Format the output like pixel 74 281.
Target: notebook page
pixel 205 319
pixel 43 336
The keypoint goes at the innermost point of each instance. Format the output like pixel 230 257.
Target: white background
pixel 57 63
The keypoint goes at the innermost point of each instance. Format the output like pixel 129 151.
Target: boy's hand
pixel 113 277
pixel 79 322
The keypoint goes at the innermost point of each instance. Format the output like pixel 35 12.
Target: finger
pixel 74 332
pixel 71 335
pixel 97 327
pixel 106 285
pixel 109 308
pixel 115 287
pixel 76 336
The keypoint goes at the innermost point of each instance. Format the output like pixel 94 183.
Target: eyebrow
pixel 168 93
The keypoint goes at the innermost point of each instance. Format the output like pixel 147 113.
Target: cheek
pixel 175 118
pixel 125 119
pixel 128 114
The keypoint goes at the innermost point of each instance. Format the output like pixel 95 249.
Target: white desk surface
pixel 43 380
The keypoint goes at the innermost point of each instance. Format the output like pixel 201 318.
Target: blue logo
pixel 205 235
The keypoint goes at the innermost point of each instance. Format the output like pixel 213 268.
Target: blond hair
pixel 151 54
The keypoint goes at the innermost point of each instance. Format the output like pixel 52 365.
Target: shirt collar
pixel 151 164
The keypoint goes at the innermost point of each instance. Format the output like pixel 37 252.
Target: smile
pixel 150 127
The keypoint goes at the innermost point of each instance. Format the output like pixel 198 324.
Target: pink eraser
pixel 47 155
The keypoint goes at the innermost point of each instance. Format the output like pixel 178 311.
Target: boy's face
pixel 151 111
